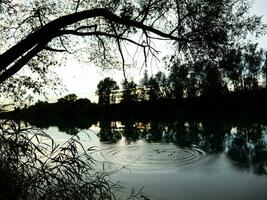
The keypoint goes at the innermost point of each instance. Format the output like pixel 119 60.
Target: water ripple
pixel 149 156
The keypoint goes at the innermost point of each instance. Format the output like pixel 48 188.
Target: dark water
pixel 181 159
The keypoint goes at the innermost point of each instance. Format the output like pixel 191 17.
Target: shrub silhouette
pixel 32 166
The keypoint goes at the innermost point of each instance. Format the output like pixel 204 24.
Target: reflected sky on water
pixel 180 159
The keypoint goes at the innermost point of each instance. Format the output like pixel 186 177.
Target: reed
pixel 33 166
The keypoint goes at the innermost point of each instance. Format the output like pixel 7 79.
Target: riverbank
pixel 236 105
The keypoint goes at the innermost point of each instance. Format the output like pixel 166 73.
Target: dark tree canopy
pixel 34 33
pixel 104 88
pixel 129 93
pixel 68 98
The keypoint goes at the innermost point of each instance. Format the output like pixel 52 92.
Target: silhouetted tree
pixel 144 87
pixel 157 86
pixel 68 98
pixel 66 107
pixel 129 93
pixel 195 79
pixel 32 32
pixel 233 65
pixel 163 83
pixel 154 87
pixel 145 80
pixel 252 60
pixel 178 79
pixel 264 69
pixel 104 88
pixel 213 85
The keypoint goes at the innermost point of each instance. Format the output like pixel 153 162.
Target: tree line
pixel 237 83
pixel 241 69
pixel 69 108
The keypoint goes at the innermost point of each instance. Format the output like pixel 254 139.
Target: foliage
pixel 104 89
pixel 240 69
pixel 253 61
pixel 232 62
pixel 129 93
pixel 178 80
pixel 66 107
pixel 99 31
pixel 32 166
pixel 68 98
pixel 264 69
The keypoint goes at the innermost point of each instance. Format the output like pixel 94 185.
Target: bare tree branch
pixel 50 30
pixel 53 49
pixel 63 45
pixel 98 33
pixel 120 50
pixel 77 6
pixel 21 62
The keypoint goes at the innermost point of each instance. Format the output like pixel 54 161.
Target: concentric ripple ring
pixel 151 155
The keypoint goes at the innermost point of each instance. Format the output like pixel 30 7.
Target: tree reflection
pixel 239 150
pixel 247 148
pixel 108 132
pixel 182 134
pixel 214 133
pixel 260 159
pixel 244 143
pixel 133 131
pixel 155 131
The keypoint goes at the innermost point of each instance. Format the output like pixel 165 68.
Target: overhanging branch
pixel 99 33
pixel 21 62
pixel 50 30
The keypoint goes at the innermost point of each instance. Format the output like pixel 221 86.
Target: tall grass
pixel 32 166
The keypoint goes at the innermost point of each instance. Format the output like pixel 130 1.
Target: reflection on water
pixel 185 159
pixel 244 144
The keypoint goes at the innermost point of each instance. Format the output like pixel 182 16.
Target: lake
pixel 208 159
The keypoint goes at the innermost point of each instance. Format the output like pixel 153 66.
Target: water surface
pixel 180 159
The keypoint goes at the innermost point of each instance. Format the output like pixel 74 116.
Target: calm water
pixel 180 159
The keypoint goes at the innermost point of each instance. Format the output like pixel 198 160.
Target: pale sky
pixel 82 79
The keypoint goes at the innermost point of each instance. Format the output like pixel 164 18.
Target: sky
pixel 82 78
pixel 260 8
